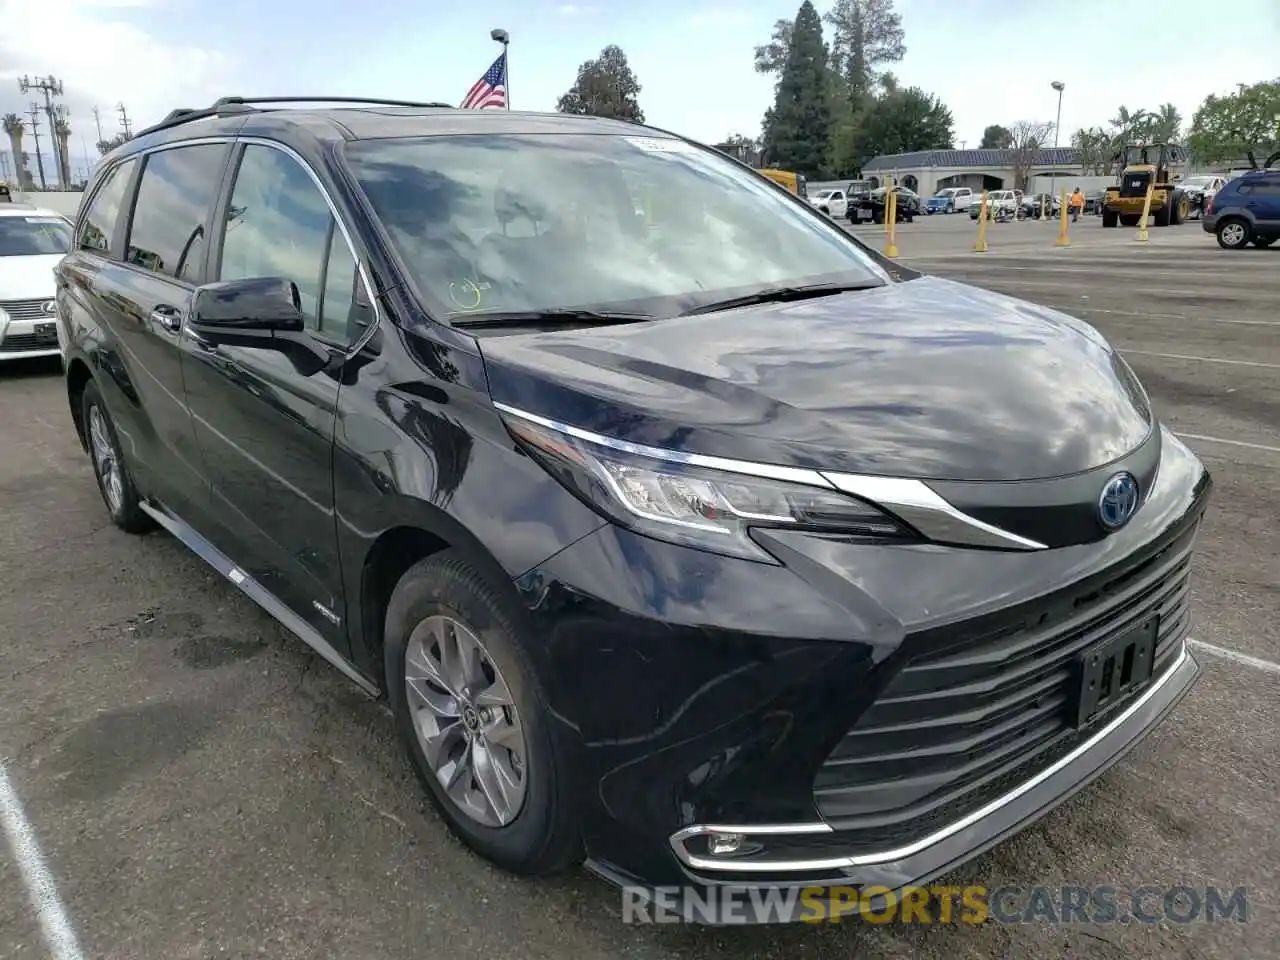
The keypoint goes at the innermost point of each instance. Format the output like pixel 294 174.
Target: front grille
pixel 961 724
pixel 26 309
pixel 21 342
pixel 1134 184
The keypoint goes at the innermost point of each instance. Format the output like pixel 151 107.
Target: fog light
pixel 724 844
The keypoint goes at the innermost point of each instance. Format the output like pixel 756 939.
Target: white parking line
pixel 58 935
pixel 1084 307
pixel 1234 443
pixel 1185 356
pixel 1266 666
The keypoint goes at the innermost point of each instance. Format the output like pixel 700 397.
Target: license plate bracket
pixel 1110 670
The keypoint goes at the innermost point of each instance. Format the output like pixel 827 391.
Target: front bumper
pixel 23 337
pixel 820 871
pixel 698 694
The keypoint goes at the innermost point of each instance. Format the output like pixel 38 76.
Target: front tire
pixel 115 482
pixel 473 717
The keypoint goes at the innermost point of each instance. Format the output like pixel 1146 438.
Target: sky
pixel 693 58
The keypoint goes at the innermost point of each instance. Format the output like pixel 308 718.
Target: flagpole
pixel 504 38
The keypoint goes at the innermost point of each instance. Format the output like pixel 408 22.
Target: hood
pixel 929 378
pixel 24 278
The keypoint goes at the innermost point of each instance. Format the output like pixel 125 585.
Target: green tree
pixel 1242 124
pixel 867 33
pixel 798 127
pixel 1096 150
pixel 605 87
pixel 904 121
pixel 996 137
pixel 771 57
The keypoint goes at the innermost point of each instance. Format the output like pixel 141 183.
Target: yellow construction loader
pixel 1144 165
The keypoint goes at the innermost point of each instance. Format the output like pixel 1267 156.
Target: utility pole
pixel 51 87
pixel 124 121
pixel 34 114
pixel 97 121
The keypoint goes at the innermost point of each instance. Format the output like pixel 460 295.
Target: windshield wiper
pixel 782 295
pixel 508 318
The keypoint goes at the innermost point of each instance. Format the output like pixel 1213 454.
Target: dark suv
pixel 683 534
pixel 1246 210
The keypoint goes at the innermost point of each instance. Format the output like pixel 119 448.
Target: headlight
pixel 691 505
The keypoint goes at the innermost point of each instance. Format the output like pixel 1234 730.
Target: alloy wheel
pixel 105 461
pixel 1233 234
pixel 466 721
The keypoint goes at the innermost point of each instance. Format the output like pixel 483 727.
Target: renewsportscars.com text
pixel 938 904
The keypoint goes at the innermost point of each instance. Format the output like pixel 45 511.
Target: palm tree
pixel 1165 125
pixel 15 128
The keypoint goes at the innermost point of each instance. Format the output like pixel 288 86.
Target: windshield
pixel 823 194
pixel 33 236
pixel 1197 181
pixel 499 223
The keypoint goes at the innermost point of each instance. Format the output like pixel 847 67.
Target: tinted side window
pixel 1267 186
pixel 279 225
pixel 177 189
pixel 100 222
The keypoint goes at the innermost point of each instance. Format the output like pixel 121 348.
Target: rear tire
pixel 115 482
pixel 1233 233
pixel 1109 218
pixel 442 606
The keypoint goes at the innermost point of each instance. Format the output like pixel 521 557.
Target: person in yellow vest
pixel 1077 204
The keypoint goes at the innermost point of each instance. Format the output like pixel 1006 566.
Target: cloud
pixel 104 54
pixel 719 17
pixel 575 9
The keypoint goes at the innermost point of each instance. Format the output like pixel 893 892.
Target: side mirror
pixel 256 305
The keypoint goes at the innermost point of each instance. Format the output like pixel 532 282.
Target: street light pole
pixel 1053 173
pixel 501 36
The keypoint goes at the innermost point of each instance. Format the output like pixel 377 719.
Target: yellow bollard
pixel 981 245
pixel 891 223
pixel 1146 213
pixel 1044 208
pixel 1063 240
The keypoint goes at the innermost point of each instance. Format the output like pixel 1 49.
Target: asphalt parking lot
pixel 201 785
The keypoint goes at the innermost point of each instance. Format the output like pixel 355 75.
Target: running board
pixel 259 594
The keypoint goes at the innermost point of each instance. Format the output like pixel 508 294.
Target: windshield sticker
pixel 659 145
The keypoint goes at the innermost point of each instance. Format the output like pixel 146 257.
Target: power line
pixel 51 87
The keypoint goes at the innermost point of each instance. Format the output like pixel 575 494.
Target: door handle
pixel 168 317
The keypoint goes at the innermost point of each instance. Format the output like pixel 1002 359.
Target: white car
pixel 831 202
pixel 32 241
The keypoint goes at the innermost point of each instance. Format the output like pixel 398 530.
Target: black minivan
pixel 685 535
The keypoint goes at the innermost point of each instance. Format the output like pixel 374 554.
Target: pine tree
pixel 799 124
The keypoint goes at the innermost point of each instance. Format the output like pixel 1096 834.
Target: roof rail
pixel 226 106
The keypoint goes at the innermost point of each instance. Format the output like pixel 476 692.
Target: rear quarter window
pixel 100 220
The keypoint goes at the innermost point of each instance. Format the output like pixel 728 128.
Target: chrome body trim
pixel 206 551
pixel 920 505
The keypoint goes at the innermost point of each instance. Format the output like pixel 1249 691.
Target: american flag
pixel 491 89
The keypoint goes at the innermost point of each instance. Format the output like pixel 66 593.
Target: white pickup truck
pixel 833 203
pixel 1007 200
